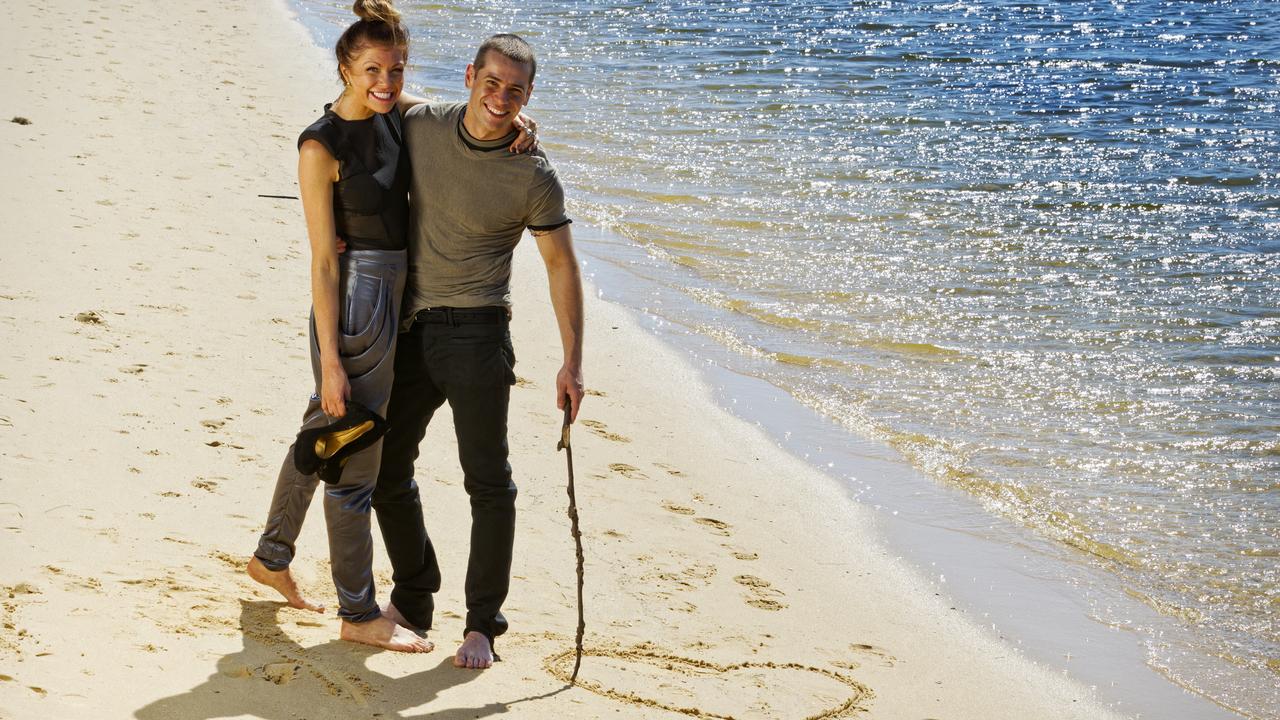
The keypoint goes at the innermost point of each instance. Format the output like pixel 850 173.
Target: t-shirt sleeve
pixel 546 201
pixel 322 133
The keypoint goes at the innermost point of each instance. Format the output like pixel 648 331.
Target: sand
pixel 152 371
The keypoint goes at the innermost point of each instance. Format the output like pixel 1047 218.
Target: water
pixel 1033 246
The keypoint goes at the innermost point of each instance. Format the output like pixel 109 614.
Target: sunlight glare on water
pixel 1035 246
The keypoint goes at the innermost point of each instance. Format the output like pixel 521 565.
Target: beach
pixel 154 307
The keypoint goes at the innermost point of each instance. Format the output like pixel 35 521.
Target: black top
pixel 371 196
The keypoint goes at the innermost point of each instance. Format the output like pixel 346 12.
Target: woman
pixel 354 179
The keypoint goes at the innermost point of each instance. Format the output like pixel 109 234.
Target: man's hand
pixel 569 385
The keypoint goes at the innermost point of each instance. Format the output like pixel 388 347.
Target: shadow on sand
pixel 275 678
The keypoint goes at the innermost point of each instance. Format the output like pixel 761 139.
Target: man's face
pixel 498 91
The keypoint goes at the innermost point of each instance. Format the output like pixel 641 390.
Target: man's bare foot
pixel 391 611
pixel 475 653
pixel 383 632
pixel 282 581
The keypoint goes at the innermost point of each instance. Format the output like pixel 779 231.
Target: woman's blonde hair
pixel 379 25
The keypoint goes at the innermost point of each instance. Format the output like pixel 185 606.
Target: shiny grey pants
pixel 370 285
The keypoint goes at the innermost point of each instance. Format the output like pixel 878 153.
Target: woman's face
pixel 376 77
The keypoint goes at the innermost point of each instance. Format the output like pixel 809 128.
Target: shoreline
pixel 992 568
pixel 154 368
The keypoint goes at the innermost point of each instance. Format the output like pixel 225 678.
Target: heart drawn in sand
pixel 702 689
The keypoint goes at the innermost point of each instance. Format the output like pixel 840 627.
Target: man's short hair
pixel 513 47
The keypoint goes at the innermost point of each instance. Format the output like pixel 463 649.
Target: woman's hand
pixel 335 390
pixel 527 140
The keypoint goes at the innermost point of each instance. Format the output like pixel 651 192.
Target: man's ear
pixel 471 74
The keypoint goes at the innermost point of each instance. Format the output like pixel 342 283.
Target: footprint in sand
pixel 761 589
pixel 206 485
pixel 281 673
pixel 886 660
pixel 628 471
pixel 746 556
pixel 670 470
pixel 719 527
pixel 600 429
pixel 596 393
pixel 677 509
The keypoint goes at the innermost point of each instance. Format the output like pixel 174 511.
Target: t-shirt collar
pixel 482 145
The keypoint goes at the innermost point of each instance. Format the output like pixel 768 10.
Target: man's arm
pixel 556 247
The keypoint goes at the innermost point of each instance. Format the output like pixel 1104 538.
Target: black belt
pixel 461 316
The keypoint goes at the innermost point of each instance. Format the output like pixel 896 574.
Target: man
pixel 471 201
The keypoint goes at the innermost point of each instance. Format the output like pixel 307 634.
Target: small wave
pixel 1224 180
pixel 1164 607
pixel 910 348
pixel 924 57
pixel 988 187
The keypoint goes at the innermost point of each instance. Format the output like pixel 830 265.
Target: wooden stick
pixel 577 534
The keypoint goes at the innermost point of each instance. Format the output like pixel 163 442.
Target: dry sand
pixel 153 369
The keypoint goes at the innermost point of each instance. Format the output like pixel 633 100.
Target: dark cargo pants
pixel 370 285
pixel 471 366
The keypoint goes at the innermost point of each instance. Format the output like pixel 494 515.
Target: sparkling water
pixel 1034 246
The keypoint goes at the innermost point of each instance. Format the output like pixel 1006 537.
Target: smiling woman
pixel 353 176
pixel 371 57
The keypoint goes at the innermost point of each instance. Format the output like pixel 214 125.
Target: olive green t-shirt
pixel 470 202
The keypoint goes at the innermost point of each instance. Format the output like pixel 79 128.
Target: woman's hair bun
pixel 376 10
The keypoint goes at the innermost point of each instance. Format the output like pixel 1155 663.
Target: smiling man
pixel 471 201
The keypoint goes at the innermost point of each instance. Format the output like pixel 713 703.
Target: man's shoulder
pixel 543 169
pixel 432 113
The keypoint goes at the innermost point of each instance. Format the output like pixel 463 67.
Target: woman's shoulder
pixel 325 131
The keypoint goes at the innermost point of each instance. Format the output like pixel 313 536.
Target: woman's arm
pixel 317 171
pixel 527 140
pixel 408 100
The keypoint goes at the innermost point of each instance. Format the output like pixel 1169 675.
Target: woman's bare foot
pixel 283 583
pixel 383 632
pixel 475 653
pixel 392 612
